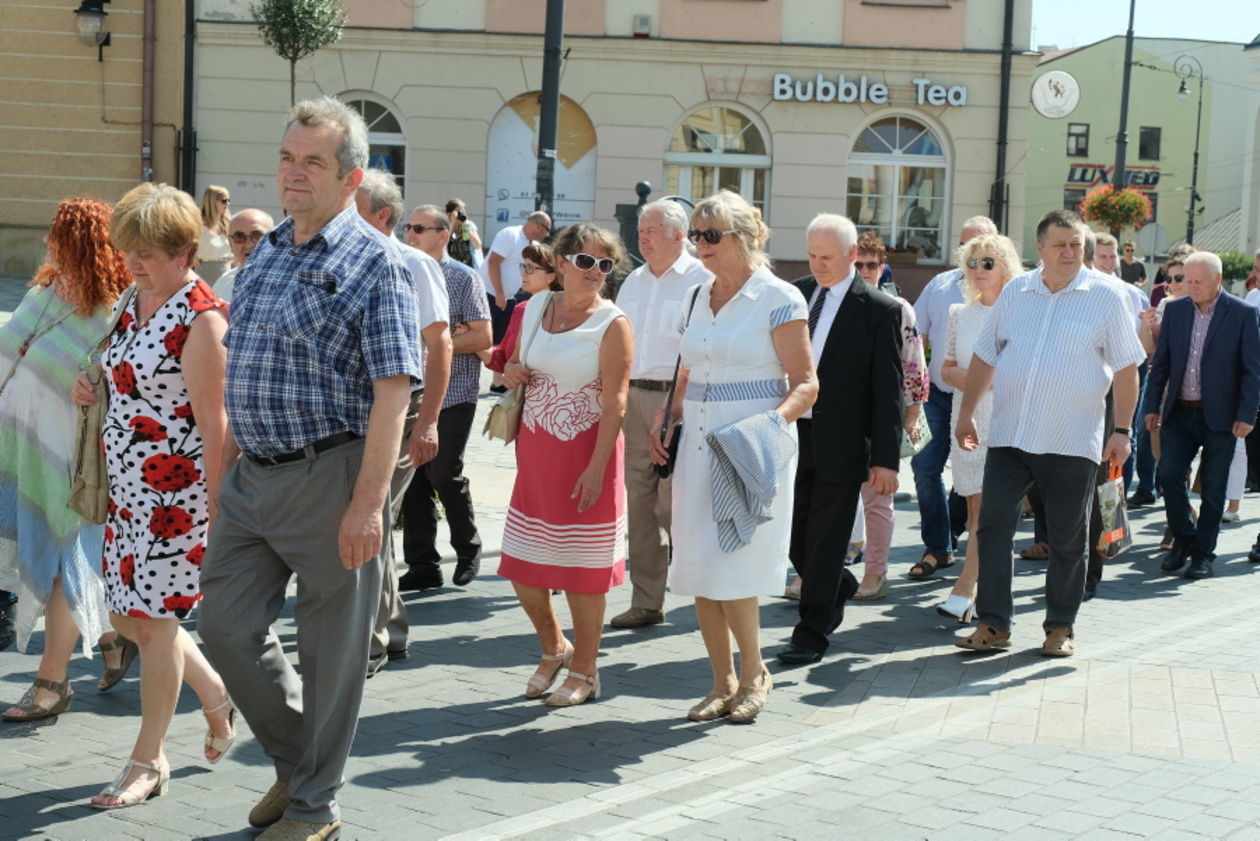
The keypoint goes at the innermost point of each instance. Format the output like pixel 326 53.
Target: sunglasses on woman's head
pixel 712 236
pixel 986 263
pixel 869 266
pixel 586 262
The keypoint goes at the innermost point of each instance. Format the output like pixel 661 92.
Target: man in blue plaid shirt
pixel 323 348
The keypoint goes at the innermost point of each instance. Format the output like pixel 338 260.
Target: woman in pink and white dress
pixel 566 523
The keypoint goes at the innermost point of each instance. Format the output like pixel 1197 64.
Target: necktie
pixel 816 310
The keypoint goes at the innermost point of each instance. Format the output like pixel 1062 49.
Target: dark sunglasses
pixel 868 266
pixel 1177 278
pixel 1129 250
pixel 530 268
pixel 712 236
pixel 241 236
pixel 586 262
pixel 986 263
pixel 419 229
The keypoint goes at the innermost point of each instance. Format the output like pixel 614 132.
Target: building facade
pixel 1072 154
pixel 885 111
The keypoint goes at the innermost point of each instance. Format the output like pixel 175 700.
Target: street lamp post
pixel 1188 67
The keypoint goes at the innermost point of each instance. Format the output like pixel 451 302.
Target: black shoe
pixel 396 654
pixel 1090 592
pixel 421 579
pixel 7 634
pixel 1254 554
pixel 1141 498
pixel 795 655
pixel 466 570
pixel 375 664
pixel 1176 557
pixel 1200 567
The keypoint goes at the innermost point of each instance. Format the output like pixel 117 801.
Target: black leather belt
pixel 1190 404
pixel 650 385
pixel 322 445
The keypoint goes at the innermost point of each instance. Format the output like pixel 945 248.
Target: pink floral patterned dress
pixel 546 541
pixel 155 536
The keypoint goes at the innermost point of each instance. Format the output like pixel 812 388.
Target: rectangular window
pixel 1072 200
pixel 1148 143
pixel 1078 140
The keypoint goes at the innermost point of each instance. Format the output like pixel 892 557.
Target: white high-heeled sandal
pixel 957 607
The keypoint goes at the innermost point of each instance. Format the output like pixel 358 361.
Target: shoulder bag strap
pixel 673 386
pixel 127 297
pixel 534 330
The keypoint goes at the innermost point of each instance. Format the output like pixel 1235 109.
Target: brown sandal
pixel 985 638
pixel 929 564
pixel 1039 551
pixel 30 711
pixel 110 677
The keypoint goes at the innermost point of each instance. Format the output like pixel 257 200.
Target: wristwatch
pixel 1121 430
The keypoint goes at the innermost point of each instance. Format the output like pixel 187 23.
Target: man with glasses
pixel 429 230
pixel 503 272
pixel 1132 270
pixel 244 232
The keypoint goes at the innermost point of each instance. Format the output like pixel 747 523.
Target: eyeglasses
pixel 530 268
pixel 1177 278
pixel 586 262
pixel 240 236
pixel 226 201
pixel 419 229
pixel 712 236
pixel 1128 250
pixel 870 266
pixel 986 263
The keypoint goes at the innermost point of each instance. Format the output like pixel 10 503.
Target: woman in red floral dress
pixel 163 438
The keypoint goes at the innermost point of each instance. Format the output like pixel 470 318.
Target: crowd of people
pixel 280 394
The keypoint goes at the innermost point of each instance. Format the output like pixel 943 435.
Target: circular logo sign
pixel 1055 94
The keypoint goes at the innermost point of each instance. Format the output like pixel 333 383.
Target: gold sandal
pixel 539 682
pixel 30 711
pixel 213 742
pixel 110 677
pixel 713 706
pixel 751 700
pixel 127 798
pixel 563 697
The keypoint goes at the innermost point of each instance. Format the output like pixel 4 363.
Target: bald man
pixel 244 232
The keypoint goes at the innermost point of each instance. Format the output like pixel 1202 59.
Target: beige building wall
pixel 71 123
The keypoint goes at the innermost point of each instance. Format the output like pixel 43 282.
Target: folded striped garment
pixel 745 458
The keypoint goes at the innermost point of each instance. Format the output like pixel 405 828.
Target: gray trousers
pixel 1067 486
pixel 391 627
pixel 274 523
pixel 647 503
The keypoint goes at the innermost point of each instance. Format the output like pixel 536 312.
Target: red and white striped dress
pixel 546 541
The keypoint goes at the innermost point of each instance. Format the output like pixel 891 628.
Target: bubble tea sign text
pixel 822 89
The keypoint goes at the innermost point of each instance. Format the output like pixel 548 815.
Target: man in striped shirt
pixel 1058 338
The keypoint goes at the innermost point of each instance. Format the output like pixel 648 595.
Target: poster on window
pixel 512 165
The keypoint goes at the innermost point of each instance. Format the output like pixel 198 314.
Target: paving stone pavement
pixel 1151 731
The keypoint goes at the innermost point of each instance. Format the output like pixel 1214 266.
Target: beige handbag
pixel 504 420
pixel 89 490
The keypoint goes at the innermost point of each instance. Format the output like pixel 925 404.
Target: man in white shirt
pixel 652 297
pixel 380 203
pixel 503 266
pixel 931 312
pixel 1058 338
pixel 245 231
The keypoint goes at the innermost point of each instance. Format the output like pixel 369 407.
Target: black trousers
pixel 444 476
pixel 822 523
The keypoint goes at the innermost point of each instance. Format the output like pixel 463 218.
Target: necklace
pixel 559 322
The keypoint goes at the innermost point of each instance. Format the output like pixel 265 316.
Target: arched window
pixel 897 175
pixel 716 147
pixel 387 145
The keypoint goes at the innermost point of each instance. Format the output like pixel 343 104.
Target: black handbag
pixel 665 470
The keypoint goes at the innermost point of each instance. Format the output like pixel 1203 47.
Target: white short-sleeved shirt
pixel 651 304
pixel 508 244
pixel 931 312
pixel 426 273
pixel 1055 355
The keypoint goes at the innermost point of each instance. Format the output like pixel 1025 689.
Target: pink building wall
pixel 378 13
pixel 722 20
pixel 926 25
pixel 581 17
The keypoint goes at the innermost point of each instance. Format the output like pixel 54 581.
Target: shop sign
pixel 822 89
pixel 1091 175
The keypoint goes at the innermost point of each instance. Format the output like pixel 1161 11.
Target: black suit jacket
pixel 857 417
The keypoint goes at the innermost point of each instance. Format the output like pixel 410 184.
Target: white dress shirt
pixel 652 305
pixel 826 317
pixel 508 244
pixel 1055 355
pixel 931 312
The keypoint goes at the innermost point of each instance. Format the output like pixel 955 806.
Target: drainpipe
pixel 997 196
pixel 146 102
pixel 187 134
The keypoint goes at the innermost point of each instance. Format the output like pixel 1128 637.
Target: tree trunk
pixel 292 83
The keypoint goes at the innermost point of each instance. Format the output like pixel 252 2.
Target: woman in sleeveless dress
pixel 566 523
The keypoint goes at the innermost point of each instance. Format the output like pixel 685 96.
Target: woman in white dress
pixel 214 250
pixel 745 352
pixel 988 263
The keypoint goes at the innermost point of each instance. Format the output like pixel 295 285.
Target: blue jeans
pixel 1180 437
pixel 928 465
pixel 1141 458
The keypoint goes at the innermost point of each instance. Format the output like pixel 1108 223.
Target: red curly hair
pixel 82 255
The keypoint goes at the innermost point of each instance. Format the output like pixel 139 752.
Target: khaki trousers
pixel 647 503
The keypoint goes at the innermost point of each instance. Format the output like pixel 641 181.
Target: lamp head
pixel 89 22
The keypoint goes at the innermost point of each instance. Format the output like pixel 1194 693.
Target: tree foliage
pixel 1235 265
pixel 298 28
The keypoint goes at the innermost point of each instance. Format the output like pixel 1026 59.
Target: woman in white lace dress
pixel 988 263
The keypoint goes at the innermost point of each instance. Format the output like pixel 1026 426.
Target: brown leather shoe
pixel 289 829
pixel 985 638
pixel 1059 643
pixel 637 617
pixel 271 808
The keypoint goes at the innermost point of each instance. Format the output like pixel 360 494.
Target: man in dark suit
pixel 1208 356
pixel 853 432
